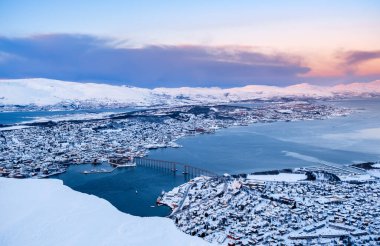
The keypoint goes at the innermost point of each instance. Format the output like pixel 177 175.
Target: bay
pixel 258 147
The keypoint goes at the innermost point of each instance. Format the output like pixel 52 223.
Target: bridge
pixel 174 167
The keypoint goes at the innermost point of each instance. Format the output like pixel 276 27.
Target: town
pixel 41 149
pixel 298 208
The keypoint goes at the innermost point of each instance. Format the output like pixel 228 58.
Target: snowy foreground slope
pixel 45 212
pixel 42 92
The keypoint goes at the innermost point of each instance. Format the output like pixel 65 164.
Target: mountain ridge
pixel 47 92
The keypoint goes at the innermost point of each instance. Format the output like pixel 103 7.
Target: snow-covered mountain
pixel 46 212
pixel 43 92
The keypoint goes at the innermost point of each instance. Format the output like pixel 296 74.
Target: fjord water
pixel 267 146
pixel 270 146
pixel 133 190
pixel 17 117
pixel 7 118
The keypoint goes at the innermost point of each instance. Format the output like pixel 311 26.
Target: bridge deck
pixel 174 166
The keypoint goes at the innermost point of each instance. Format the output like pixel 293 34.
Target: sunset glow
pixel 329 41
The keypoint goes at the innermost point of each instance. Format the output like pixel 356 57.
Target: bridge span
pixel 174 167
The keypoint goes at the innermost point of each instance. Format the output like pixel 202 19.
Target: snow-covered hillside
pixel 45 212
pixel 42 92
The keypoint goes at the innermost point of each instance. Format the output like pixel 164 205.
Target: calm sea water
pixel 257 147
pixel 268 146
pixel 133 190
pixel 18 117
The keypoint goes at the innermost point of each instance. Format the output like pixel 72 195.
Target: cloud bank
pixel 89 58
pixel 356 57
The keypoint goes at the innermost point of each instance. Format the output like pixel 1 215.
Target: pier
pixel 185 169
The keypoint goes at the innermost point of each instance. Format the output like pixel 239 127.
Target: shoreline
pixel 285 176
pixel 237 209
pixel 221 111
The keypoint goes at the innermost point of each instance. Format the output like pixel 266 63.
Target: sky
pixel 191 43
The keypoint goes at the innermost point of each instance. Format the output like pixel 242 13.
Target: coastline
pixel 225 120
pixel 277 208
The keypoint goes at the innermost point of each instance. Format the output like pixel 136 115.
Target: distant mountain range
pixel 40 93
